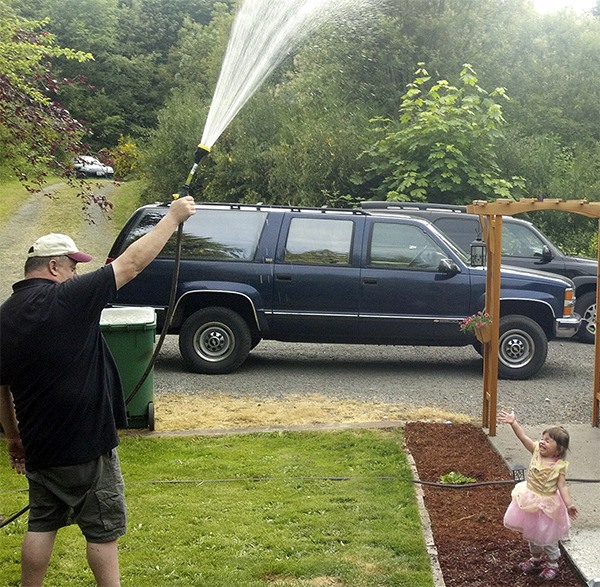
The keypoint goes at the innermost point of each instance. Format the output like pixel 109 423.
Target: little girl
pixel 541 506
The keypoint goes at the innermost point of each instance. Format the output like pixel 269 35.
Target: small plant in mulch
pixel 455 478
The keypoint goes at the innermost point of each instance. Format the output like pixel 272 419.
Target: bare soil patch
pixel 474 547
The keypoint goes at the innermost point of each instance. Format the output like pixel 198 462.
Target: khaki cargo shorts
pixel 91 495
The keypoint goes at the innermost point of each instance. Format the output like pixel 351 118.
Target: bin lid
pixel 127 316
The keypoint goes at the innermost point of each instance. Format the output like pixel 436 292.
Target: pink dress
pixel 537 509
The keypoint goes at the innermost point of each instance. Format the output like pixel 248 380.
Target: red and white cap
pixel 58 245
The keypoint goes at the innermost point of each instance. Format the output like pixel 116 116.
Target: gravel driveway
pixel 20 232
pixel 446 378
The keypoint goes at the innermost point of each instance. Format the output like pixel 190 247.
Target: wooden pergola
pixel 492 233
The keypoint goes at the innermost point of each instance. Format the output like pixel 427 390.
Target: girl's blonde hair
pixel 561 437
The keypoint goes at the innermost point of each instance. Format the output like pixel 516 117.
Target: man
pixel 61 400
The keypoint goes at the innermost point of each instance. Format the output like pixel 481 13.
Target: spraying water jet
pixel 263 34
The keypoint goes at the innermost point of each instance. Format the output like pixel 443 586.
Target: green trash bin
pixel 129 334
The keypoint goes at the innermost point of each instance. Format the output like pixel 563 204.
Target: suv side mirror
pixel 448 266
pixel 546 254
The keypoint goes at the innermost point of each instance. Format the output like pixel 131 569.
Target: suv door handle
pixel 369 281
pixel 283 277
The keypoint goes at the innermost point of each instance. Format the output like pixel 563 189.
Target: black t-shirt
pixel 67 391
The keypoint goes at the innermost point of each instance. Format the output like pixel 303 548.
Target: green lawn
pixel 333 509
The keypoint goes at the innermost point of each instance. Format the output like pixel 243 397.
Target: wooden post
pixel 596 406
pixel 493 237
pixel 493 212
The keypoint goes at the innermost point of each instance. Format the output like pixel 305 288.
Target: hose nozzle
pixel 201 152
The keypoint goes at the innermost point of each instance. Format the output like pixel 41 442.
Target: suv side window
pixel 224 235
pixel 460 229
pixel 319 241
pixel 519 241
pixel 146 223
pixel 403 246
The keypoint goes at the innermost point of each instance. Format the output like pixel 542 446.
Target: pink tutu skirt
pixel 543 519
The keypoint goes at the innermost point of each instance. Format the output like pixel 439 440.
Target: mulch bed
pixel 474 547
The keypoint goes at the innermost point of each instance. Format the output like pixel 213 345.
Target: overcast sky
pixel 553 5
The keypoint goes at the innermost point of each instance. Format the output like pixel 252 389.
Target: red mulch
pixel 474 547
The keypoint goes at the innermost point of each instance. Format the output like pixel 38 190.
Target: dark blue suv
pixel 251 272
pixel 523 245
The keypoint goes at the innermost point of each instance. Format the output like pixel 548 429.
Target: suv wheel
pixel 585 306
pixel 214 341
pixel 523 347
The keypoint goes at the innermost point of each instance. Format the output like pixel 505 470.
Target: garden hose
pixel 14 516
pixel 201 152
pixel 168 316
pixel 259 479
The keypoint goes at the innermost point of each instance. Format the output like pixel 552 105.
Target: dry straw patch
pixel 222 411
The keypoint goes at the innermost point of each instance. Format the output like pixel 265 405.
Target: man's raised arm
pixel 142 252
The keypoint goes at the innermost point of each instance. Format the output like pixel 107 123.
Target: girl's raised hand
pixel 507 418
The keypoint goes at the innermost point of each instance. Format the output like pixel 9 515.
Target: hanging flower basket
pixel 479 324
pixel 484 333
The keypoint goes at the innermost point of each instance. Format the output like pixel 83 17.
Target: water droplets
pixel 263 34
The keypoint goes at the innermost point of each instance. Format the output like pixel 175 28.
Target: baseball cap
pixel 57 245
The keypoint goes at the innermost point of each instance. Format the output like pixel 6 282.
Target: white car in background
pixel 88 166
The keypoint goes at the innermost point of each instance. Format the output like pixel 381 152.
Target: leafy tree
pixel 169 150
pixel 35 130
pixel 298 139
pixel 167 160
pixel 443 147
pixel 574 176
pixel 532 157
pixel 278 153
pixel 126 158
pixel 90 25
pixel 449 33
pixel 196 57
pixel 129 80
pixel 153 26
pixel 555 78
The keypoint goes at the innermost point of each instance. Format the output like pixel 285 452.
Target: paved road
pixel 447 378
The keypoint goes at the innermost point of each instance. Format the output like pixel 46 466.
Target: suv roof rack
pixel 290 208
pixel 385 205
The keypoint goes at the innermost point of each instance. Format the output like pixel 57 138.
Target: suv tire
pixel 585 306
pixel 214 341
pixel 522 347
